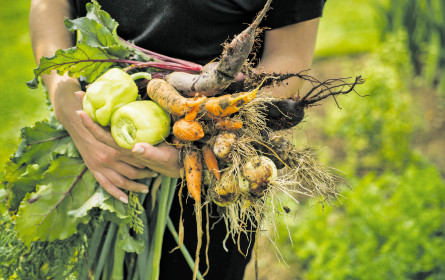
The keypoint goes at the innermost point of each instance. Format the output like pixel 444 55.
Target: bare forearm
pixel 289 49
pixel 48 34
pixel 47 29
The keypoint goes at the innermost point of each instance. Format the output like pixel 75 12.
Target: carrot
pixel 176 142
pixel 193 177
pixel 188 130
pixel 193 173
pixel 199 233
pixel 215 77
pixel 166 96
pixel 228 104
pixel 211 161
pixel 228 124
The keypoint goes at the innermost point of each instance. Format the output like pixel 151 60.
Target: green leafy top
pixel 50 188
pixel 98 48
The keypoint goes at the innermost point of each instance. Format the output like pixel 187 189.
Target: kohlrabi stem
pixel 141 75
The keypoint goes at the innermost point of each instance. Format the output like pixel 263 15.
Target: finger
pixel 126 184
pixel 110 188
pixel 106 138
pixel 150 152
pixel 162 158
pixel 80 94
pixel 129 158
pixel 96 130
pixel 135 173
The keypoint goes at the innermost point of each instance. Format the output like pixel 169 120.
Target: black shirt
pixel 196 29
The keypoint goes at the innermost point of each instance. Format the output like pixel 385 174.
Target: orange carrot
pixel 188 130
pixel 211 161
pixel 228 124
pixel 166 96
pixel 228 104
pixel 176 142
pixel 193 173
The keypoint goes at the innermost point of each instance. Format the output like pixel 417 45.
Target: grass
pixel 19 105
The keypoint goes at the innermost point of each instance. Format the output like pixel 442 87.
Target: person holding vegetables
pixel 191 30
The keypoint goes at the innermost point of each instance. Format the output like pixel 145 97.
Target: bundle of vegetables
pixel 220 117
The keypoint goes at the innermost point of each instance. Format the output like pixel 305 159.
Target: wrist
pixel 61 91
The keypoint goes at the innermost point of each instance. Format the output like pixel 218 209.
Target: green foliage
pixel 424 23
pixel 52 200
pixel 59 259
pixel 97 44
pixel 26 167
pixel 392 224
pixel 376 130
pixel 390 227
pixel 347 27
pixel 44 214
pixel 77 61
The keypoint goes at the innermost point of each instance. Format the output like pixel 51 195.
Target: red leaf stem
pixel 192 66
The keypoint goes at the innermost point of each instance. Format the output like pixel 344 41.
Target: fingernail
pixel 144 190
pixel 138 149
pixel 123 199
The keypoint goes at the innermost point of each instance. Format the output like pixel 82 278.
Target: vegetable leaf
pixel 94 12
pixel 39 145
pixel 104 201
pixel 43 215
pixel 129 243
pixel 37 140
pixel 98 30
pixel 82 60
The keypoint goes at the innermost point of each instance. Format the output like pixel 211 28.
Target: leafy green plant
pixel 378 135
pixel 391 224
pixel 424 24
pixel 390 227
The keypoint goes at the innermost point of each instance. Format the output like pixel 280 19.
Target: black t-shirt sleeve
pixel 287 12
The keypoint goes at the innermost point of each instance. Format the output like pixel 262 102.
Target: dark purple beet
pixel 284 114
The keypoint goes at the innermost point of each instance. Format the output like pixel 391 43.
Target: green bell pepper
pixel 110 91
pixel 140 121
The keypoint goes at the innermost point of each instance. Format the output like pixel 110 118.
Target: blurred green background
pixel 390 145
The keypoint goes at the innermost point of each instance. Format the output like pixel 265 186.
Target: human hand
pixel 115 168
pixel 162 158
